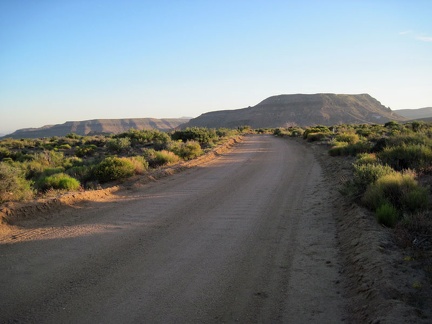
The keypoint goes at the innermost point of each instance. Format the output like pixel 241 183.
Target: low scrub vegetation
pixel 30 167
pixel 390 161
pixel 392 164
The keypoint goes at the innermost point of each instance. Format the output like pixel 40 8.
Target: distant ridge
pixel 302 110
pixel 98 126
pixel 421 113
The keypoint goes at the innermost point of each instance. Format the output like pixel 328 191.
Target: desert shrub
pixel 72 162
pixel 364 132
pixel 400 140
pixel 73 136
pixel 345 148
pixel 205 136
pixel 357 148
pixel 350 138
pixel 119 144
pixel 188 150
pixel 13 185
pixel 165 157
pixel 64 147
pixel 60 181
pixel 49 158
pixel 278 132
pixel 387 215
pixel 113 168
pixel 226 132
pixel 159 158
pixel 39 178
pixel 403 157
pixel 399 189
pixel 82 173
pixel 366 158
pixel 392 124
pixel 366 174
pixel 140 164
pixel 338 148
pixel 417 199
pixel 146 137
pixel 295 131
pixel 5 153
pixel 316 129
pixel 85 150
pixel 313 137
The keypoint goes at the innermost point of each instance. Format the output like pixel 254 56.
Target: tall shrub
pixel 113 168
pixel 13 185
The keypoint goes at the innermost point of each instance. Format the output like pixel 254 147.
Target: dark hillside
pixel 301 110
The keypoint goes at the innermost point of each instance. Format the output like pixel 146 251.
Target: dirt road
pixel 248 237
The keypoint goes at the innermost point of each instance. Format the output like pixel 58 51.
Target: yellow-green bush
pixel 159 158
pixel 411 156
pixel 367 174
pixel 187 151
pixel 60 181
pixel 13 185
pixel 366 158
pixel 401 190
pixel 139 163
pixel 387 214
pixel 113 168
pixel 350 138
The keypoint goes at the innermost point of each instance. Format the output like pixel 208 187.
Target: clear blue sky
pixel 77 60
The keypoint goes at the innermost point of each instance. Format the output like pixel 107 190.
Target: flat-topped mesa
pixel 99 126
pixel 302 110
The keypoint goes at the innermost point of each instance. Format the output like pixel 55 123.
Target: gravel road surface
pixel 248 237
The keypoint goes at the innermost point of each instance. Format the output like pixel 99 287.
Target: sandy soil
pixel 257 234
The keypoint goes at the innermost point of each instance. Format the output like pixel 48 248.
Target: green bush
pixel 350 138
pixel 400 190
pixel 60 181
pixel 64 147
pixel 205 136
pixel 413 156
pixel 165 157
pixel 314 137
pixel 338 148
pixel 82 173
pixel 387 215
pixel 316 129
pixel 187 151
pixel 417 199
pixel 366 158
pixel 113 168
pixel 226 132
pixel 119 144
pixel 146 137
pixel 85 150
pixel 13 185
pixel 366 174
pixel 49 158
pixel 5 153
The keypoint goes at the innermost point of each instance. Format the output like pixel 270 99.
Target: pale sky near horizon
pixel 89 59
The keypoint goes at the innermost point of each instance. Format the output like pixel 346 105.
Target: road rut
pixel 248 237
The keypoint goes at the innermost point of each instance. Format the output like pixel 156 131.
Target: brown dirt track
pixel 257 234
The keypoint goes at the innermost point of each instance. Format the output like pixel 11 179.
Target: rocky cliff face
pixel 301 110
pixel 99 126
